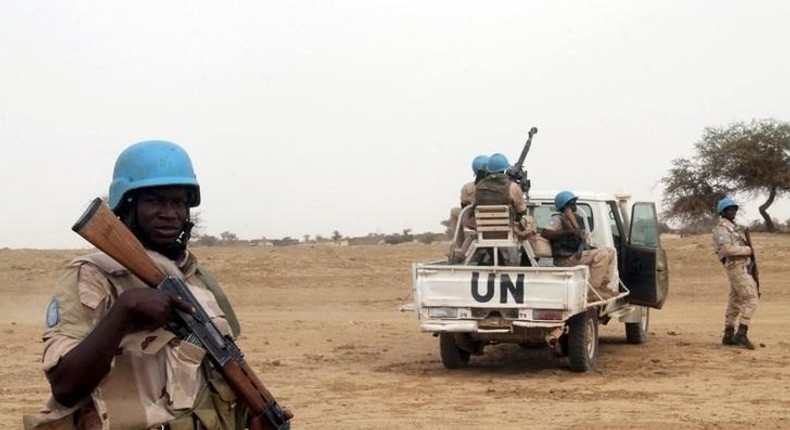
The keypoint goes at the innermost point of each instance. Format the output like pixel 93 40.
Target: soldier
pixel 468 191
pixel 497 188
pixel 734 255
pixel 109 362
pixel 566 243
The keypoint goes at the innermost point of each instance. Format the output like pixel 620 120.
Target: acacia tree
pixel 741 159
pixel 689 194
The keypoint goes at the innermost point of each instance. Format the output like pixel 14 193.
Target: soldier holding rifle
pixel 111 355
pixel 737 257
pixel 569 246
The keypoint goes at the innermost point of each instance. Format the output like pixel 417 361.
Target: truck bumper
pixel 450 327
pixel 466 326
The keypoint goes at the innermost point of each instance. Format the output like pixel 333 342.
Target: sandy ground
pixel 321 326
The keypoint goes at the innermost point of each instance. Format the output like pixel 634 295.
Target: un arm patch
pixel 53 313
pixel 720 239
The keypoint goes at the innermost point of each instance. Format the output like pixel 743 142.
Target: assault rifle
pixel 99 226
pixel 752 268
pixel 517 172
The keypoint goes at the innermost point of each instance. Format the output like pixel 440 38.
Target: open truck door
pixel 646 271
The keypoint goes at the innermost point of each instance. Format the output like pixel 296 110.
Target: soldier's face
pixel 730 212
pixel 162 212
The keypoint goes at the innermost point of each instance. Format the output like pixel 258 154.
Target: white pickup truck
pixel 478 296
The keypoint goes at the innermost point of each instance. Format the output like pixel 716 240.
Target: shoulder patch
pixel 53 313
pixel 552 222
pixel 720 239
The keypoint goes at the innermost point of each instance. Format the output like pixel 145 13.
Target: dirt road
pixel 321 325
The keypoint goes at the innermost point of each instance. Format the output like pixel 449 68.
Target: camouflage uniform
pixel 155 379
pixel 467 198
pixel 731 248
pixel 601 261
pixel 498 189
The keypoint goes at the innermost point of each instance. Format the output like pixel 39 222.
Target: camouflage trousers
pixel 743 295
pixel 600 261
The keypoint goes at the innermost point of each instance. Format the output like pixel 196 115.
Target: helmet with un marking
pixel 724 204
pixel 152 163
pixel 562 199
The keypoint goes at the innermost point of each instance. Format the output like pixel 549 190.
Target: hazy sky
pixel 304 117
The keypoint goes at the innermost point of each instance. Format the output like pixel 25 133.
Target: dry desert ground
pixel 322 327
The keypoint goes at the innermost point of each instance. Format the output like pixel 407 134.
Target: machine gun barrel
pixel 517 171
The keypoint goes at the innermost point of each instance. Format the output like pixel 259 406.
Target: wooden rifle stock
pixel 753 266
pixel 571 216
pixel 99 226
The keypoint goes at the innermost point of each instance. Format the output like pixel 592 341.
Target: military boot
pixel 729 333
pixel 740 338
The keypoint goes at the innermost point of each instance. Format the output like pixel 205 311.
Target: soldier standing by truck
pixel 735 256
pixel 569 246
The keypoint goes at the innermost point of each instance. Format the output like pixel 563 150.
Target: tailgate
pixel 498 287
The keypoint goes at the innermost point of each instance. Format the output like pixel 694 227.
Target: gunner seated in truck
pixel 568 246
pixel 498 189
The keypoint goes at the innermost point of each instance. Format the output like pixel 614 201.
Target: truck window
pixel 615 227
pixel 644 225
pixel 543 213
pixel 584 210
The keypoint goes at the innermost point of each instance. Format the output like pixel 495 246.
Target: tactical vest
pixel 566 246
pixel 113 269
pixel 493 190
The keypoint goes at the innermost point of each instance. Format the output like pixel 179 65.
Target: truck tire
pixel 453 357
pixel 583 341
pixel 636 332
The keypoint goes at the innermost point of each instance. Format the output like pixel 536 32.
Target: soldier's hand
pixel 148 308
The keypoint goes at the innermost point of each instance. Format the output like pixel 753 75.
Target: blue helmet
pixel 152 163
pixel 724 204
pixel 479 163
pixel 497 163
pixel 563 198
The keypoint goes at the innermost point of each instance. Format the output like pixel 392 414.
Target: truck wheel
pixel 583 341
pixel 453 357
pixel 636 332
